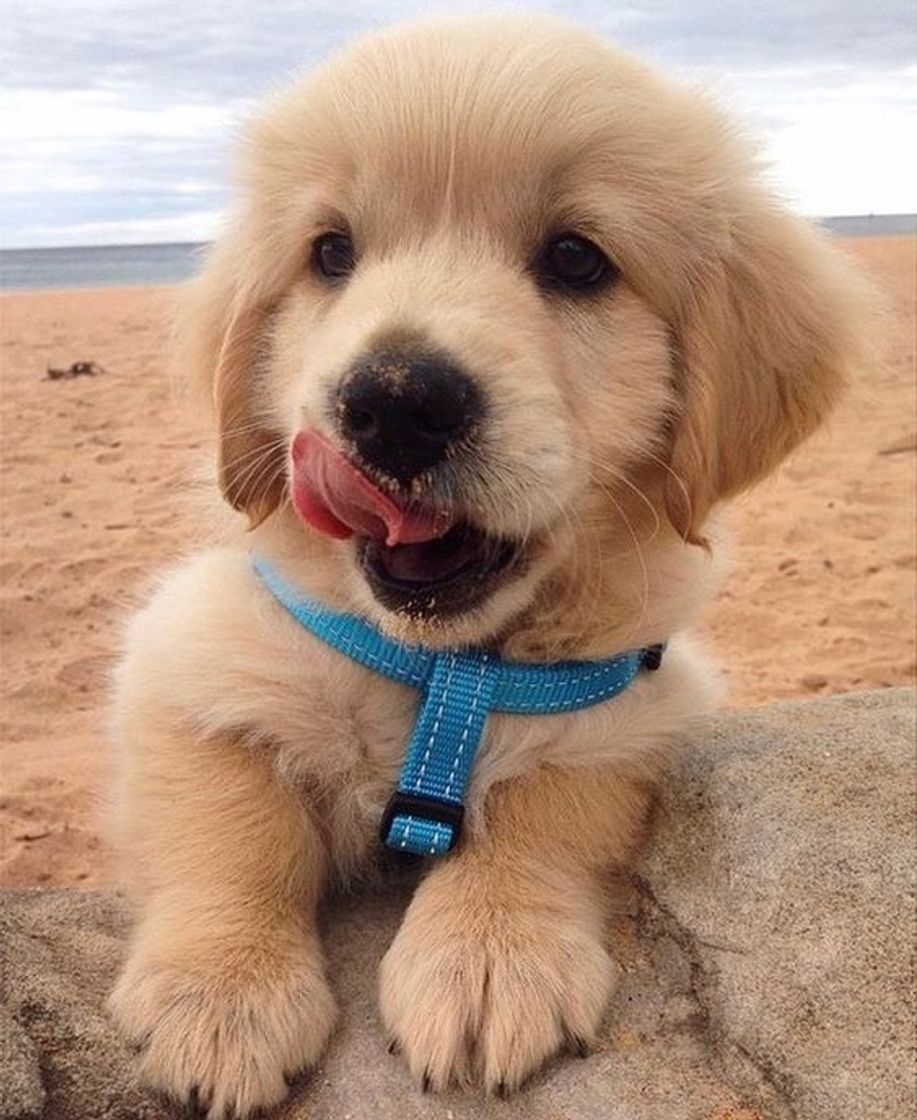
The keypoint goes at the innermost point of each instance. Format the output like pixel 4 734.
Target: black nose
pixel 406 413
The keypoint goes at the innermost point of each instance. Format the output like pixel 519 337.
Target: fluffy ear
pixel 222 344
pixel 764 345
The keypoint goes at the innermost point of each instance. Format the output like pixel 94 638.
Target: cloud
pixel 189 225
pixel 116 118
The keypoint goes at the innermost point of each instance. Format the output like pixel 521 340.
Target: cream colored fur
pixel 254 761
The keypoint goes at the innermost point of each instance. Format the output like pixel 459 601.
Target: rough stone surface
pixel 766 943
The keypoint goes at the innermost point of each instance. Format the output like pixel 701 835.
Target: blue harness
pixel 458 688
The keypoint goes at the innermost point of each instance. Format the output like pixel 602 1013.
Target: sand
pixel 820 597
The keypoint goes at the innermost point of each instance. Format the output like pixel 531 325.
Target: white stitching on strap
pixel 554 682
pixel 602 694
pixel 469 719
pixel 348 642
pixel 436 722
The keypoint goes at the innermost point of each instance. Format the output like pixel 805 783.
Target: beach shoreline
pixel 101 267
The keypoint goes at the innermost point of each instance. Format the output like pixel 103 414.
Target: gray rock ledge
pixel 766 942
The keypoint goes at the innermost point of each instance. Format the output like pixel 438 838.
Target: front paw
pixel 223 1032
pixel 478 994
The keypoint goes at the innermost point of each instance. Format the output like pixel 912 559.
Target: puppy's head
pixel 489 286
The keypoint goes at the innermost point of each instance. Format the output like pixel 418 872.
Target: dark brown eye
pixel 333 255
pixel 571 261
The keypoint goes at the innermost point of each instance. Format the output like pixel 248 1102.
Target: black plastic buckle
pixel 425 808
pixel 652 657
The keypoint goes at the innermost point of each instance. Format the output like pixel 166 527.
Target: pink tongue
pixel 331 495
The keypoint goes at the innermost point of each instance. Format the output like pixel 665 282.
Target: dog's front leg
pixel 501 959
pixel 223 991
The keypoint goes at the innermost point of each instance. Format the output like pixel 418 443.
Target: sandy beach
pixel 819 598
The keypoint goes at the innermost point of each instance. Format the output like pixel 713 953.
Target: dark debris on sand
pixel 76 369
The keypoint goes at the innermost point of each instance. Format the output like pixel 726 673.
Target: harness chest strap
pixel 458 689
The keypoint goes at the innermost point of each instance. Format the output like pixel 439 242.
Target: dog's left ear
pixel 765 340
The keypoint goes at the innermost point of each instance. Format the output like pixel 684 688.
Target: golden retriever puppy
pixel 499 319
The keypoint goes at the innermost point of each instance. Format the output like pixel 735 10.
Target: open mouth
pixel 415 558
pixel 442 577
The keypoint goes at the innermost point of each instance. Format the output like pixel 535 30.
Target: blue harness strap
pixel 456 701
pixel 458 689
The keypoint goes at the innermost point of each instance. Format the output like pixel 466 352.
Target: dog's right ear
pixel 222 345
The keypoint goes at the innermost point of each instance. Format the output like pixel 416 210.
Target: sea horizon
pixel 66 267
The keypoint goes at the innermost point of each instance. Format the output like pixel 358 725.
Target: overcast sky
pixel 116 118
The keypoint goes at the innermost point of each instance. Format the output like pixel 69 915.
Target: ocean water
pixel 113 266
pixel 97 266
pixel 872 225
